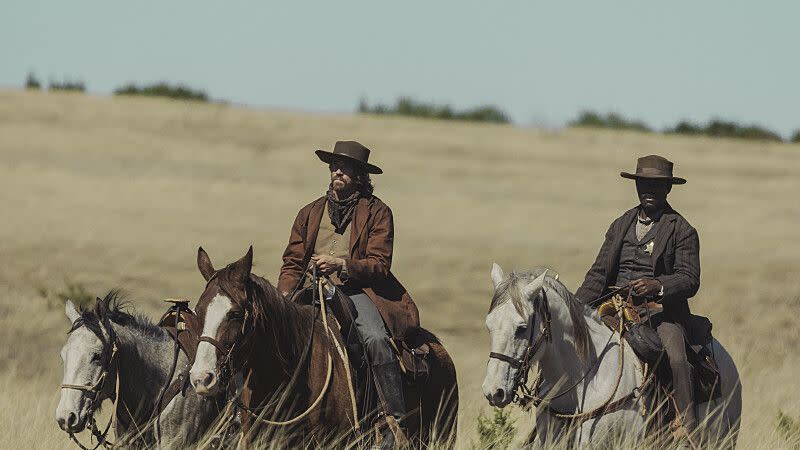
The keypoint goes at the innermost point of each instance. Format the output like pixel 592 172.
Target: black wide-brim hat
pixel 653 167
pixel 349 151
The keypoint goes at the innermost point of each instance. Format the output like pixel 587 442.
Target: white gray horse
pixel 583 368
pixel 110 353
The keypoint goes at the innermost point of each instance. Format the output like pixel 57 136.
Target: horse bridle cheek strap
pixel 225 366
pixel 97 389
pixel 523 364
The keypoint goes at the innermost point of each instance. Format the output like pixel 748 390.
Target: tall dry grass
pixel 119 192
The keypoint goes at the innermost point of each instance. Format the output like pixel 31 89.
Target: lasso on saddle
pixel 640 319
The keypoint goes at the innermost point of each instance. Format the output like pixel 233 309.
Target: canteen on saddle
pixel 639 322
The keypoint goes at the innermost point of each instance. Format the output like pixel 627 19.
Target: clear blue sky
pixel 541 62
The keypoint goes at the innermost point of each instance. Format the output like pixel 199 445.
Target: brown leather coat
pixel 371 241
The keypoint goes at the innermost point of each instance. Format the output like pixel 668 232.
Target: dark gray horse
pixel 110 353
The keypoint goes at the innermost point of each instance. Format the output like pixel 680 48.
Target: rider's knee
pixel 375 338
pixel 672 338
pixel 376 344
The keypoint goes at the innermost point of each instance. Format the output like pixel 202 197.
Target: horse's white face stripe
pixel 206 358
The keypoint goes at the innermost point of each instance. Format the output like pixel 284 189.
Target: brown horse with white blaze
pixel 293 373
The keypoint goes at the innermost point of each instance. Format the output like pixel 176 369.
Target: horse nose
pixel 68 423
pixel 498 397
pixel 204 382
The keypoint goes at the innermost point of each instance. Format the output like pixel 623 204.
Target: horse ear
pixel 497 275
pixel 243 266
pixel 72 311
pixel 101 309
pixel 204 264
pixel 534 286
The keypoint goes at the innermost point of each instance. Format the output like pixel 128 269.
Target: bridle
pixel 95 389
pixel 522 393
pixel 525 394
pixel 226 367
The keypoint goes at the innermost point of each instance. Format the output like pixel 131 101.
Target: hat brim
pixel 633 176
pixel 329 157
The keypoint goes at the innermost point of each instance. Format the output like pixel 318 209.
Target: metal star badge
pixel 648 248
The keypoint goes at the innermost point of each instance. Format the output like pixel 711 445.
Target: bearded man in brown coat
pixel 656 252
pixel 348 235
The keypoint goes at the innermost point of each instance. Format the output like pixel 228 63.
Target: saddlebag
pixel 414 362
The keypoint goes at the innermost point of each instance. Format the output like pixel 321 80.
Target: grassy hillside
pixel 120 192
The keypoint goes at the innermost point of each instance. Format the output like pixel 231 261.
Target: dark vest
pixel 635 260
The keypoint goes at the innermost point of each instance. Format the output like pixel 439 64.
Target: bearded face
pixel 343 176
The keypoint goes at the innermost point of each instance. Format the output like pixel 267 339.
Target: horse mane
pixel 116 307
pixel 508 290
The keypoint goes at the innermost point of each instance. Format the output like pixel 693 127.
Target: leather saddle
pixel 412 356
pixel 639 321
pixel 186 331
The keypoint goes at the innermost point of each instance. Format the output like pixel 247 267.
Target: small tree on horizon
pixel 32 83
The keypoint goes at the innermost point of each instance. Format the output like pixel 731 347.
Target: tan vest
pixel 329 242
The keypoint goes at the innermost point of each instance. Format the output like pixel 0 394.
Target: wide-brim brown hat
pixel 349 151
pixel 653 167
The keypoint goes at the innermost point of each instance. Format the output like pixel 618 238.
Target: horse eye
pixel 521 330
pixel 95 358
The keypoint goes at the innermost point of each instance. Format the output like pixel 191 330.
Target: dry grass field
pixel 120 192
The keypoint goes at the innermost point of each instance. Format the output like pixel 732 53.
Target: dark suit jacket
pixel 676 262
pixel 371 242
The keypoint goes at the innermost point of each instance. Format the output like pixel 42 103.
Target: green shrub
pixel 789 429
pixel 178 92
pixel 496 432
pixel 727 129
pixel 406 106
pixel 32 83
pixel 796 137
pixel 610 120
pixel 67 85
pixel 76 292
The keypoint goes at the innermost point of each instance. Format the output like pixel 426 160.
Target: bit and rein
pixel 95 389
pixel 524 394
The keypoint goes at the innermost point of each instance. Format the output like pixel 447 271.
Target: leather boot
pixel 389 385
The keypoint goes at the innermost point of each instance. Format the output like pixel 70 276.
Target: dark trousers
pixel 369 324
pixel 672 337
